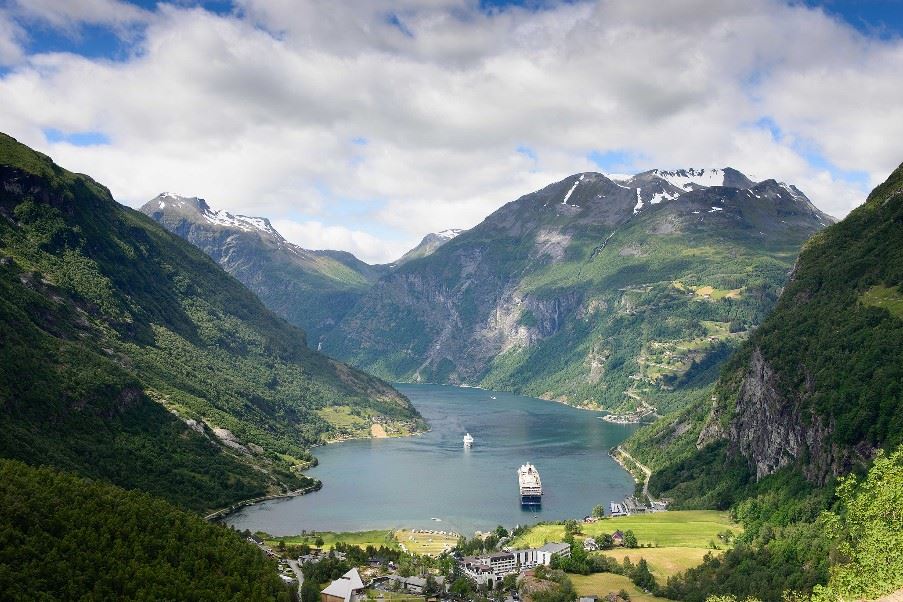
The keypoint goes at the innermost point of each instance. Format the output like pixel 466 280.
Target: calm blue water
pixel 394 483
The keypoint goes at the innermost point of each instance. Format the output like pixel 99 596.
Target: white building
pixel 347 588
pixel 494 567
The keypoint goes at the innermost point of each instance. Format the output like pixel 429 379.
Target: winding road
pixel 641 467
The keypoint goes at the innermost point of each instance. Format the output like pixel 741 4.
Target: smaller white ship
pixel 468 440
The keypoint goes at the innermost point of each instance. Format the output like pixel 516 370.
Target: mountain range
pixel 765 337
pixel 618 292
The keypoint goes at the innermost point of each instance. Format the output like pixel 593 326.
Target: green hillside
pixel 129 355
pixel 67 538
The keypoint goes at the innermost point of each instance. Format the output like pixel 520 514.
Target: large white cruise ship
pixel 530 485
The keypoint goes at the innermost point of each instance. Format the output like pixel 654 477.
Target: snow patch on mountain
pixel 687 179
pixel 571 191
pixel 449 234
pixel 658 197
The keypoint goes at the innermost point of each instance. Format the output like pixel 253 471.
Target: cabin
pixel 659 506
pixel 348 588
pixel 617 538
pixel 590 544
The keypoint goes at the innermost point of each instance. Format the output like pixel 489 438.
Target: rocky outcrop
pixel 773 429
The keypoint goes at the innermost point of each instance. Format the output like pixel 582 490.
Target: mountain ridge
pixel 310 289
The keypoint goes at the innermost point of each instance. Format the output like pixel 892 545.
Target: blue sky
pixel 365 124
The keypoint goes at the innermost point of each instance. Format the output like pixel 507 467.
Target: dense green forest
pixel 832 348
pixel 64 537
pixel 129 355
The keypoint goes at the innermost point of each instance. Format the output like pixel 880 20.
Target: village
pixel 423 564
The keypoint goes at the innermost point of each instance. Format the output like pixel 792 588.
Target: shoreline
pixel 222 513
pixel 558 401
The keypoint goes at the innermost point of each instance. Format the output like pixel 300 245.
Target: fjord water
pixel 409 482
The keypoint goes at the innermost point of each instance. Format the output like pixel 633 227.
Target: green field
pixel 683 528
pixel 330 538
pixel 884 297
pixel 663 562
pixel 429 544
pixel 341 417
pixel 601 584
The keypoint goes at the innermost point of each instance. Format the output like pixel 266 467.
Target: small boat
pixel 468 440
pixel 492 397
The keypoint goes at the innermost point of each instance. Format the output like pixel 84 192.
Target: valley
pixel 668 322
pixel 451 301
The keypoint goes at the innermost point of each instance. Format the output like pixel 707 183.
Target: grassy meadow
pixel 375 538
pixel 681 528
pixel 601 584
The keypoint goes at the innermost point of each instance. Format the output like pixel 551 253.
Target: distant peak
pixel 174 203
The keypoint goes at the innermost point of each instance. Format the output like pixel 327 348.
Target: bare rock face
pixel 773 430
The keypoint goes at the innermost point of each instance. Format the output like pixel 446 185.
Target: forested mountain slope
pixel 67 538
pixel 129 355
pixel 622 294
pixel 310 289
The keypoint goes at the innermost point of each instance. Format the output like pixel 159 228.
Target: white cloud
pixel 257 110
pixel 11 38
pixel 69 14
pixel 316 235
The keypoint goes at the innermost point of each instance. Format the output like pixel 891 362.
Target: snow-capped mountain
pixel 553 293
pixel 311 289
pixel 428 245
pixel 170 202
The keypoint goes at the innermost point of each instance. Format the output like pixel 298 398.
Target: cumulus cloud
pixel 412 112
